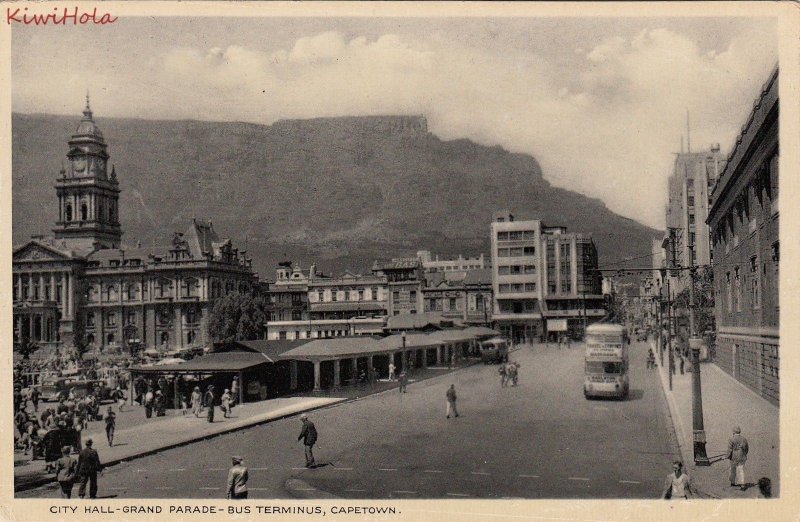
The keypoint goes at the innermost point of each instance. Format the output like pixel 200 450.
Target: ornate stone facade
pixel 83 287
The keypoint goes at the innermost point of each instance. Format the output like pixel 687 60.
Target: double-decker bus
pixel 606 361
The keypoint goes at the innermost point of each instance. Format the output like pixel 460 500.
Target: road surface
pixel 541 439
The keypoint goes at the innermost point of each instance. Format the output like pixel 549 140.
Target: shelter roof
pixel 335 347
pixel 212 362
pixel 271 349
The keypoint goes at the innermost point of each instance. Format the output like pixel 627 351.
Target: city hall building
pixel 82 287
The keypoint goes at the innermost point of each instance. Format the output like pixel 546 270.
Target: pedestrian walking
pixel 237 479
pixel 309 437
pixel 403 382
pixel 513 373
pixel 678 484
pixel 111 424
pixel 503 377
pixel 209 400
pixel 234 390
pixel 35 396
pixel 184 403
pixel 683 362
pixel 159 404
pixel 738 448
pixel 119 396
pixel 66 471
pixel 197 401
pixel 88 467
pixel 225 402
pixel 391 371
pixel 148 403
pixel 451 401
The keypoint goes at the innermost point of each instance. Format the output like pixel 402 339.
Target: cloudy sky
pixel 600 102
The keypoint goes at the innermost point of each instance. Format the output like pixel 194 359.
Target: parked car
pixel 494 351
pixel 53 389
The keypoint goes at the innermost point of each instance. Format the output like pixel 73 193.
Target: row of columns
pixel 48 279
pixel 46 329
pixel 442 352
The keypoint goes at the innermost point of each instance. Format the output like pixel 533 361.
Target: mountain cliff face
pixel 338 191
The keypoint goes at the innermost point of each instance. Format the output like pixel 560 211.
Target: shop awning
pixel 347 307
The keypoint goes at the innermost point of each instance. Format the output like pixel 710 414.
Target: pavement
pixel 726 403
pixel 136 436
pixel 541 439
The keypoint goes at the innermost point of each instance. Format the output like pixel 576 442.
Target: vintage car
pixel 494 351
pixel 53 389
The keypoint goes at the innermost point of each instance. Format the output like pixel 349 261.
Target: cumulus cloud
pixel 606 124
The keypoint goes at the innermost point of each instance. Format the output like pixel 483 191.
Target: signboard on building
pixel 556 325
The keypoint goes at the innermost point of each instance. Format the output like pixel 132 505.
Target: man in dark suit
pixel 309 437
pixel 88 466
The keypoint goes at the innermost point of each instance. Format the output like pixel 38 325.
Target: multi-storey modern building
pixel 461 263
pixel 693 178
pixel 573 290
pixel 81 287
pixel 744 223
pixel 542 274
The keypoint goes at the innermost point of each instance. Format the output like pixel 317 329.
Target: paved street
pixel 541 439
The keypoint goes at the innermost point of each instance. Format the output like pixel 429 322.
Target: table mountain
pixel 336 191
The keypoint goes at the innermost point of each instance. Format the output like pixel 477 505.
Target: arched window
pixel 132 291
pixel 90 339
pixel 191 316
pixel 110 338
pixel 111 293
pixel 190 287
pixel 164 338
pixel 84 212
pixel 190 337
pixel 68 213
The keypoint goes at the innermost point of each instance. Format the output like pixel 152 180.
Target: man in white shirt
pixel 678 484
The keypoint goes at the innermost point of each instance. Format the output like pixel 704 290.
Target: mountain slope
pixel 338 191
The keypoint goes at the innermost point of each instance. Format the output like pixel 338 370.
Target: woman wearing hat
pixel 197 401
pixel 210 398
pixel 237 479
pixel 225 401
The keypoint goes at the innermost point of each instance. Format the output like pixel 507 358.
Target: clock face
pixel 79 164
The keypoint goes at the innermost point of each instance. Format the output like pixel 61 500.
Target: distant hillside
pixel 336 191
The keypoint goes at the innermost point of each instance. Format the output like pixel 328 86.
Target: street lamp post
pixel 698 429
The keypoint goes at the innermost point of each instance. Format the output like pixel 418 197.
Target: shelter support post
pixel 354 373
pixel 439 355
pixel 369 369
pixel 424 357
pixel 292 375
pixel 130 389
pixel 336 373
pixel 317 386
pixel 240 398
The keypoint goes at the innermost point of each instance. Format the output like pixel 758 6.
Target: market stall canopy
pixel 413 340
pixel 271 349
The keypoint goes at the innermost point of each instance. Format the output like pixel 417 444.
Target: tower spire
pixel 87 112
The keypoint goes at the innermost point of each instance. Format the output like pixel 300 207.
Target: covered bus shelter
pixel 218 369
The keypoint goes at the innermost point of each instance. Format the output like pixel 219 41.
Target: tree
pixel 704 319
pixel 236 317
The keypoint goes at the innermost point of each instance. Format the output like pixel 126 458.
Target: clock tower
pixel 88 196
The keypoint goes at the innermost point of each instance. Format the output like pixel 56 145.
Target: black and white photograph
pixel 280 251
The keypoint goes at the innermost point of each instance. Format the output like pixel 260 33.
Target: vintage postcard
pixel 395 261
